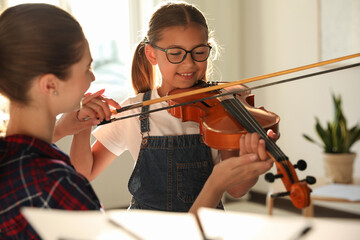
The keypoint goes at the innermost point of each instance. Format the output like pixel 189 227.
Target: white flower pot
pixel 339 167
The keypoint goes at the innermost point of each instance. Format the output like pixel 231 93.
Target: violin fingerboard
pixel 244 117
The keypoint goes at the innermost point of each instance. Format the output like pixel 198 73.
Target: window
pixel 106 26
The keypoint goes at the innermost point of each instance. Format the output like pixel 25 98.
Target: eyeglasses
pixel 177 55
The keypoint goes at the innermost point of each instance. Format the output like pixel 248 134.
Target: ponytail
pixel 142 71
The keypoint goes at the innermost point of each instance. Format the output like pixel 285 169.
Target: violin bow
pixel 239 82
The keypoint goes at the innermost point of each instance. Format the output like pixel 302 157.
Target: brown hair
pixel 168 15
pixel 36 39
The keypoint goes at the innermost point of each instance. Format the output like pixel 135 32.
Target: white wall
pixel 282 34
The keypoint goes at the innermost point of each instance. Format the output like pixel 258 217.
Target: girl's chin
pixel 188 83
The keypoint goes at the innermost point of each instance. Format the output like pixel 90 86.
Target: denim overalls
pixel 170 171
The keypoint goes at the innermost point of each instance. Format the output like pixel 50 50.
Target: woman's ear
pixel 150 54
pixel 49 84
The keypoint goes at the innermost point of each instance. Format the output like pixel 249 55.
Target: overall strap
pixel 144 118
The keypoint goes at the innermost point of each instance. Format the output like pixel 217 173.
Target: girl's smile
pixel 186 76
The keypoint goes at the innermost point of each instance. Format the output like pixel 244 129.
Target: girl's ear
pixel 150 54
pixel 49 84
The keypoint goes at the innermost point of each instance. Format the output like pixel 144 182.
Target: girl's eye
pixel 175 52
pixel 199 53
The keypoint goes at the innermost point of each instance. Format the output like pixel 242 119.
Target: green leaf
pixel 336 138
pixel 307 137
pixel 324 136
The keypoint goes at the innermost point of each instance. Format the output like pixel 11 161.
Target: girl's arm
pixel 87 160
pixel 91 161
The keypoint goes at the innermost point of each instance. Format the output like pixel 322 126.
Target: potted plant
pixel 336 141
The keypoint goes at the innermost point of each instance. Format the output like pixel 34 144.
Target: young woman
pixel 45 69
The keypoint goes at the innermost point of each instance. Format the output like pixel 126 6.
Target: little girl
pixel 172 162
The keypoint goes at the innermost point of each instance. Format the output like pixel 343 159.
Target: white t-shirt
pixel 125 134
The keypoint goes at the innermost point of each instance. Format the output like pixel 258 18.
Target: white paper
pixel 335 190
pixel 227 225
pixel 93 225
pixel 156 225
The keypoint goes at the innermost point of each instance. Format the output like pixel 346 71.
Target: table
pixel 278 186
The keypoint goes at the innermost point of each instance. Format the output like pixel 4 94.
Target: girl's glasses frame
pixel 176 55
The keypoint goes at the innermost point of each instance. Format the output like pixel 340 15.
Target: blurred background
pixel 257 37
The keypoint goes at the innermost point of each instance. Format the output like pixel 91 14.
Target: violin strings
pixel 252 125
pixel 249 122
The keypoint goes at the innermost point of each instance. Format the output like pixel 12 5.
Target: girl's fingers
pixel 273 135
pixel 242 145
pixel 100 105
pixel 89 96
pixel 112 102
pixel 85 114
pixel 97 109
pixel 261 150
pixel 254 142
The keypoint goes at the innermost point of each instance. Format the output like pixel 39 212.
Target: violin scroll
pixel 298 191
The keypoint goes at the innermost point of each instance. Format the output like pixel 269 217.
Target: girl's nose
pixel 92 76
pixel 188 59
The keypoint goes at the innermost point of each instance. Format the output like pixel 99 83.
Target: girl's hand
pixel 96 106
pixel 239 173
pixel 251 143
pixel 94 109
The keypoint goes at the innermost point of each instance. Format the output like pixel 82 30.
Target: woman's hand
pixel 95 108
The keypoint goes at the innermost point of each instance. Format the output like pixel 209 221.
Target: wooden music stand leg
pixel 269 203
pixel 308 211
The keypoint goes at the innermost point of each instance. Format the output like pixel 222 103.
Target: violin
pixel 240 114
pixel 223 121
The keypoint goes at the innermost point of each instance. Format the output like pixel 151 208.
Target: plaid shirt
pixel 35 173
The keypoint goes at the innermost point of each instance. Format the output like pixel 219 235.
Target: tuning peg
pixel 269 177
pixel 309 180
pixel 280 194
pixel 301 165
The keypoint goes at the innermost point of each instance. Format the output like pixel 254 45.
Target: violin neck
pixel 247 120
